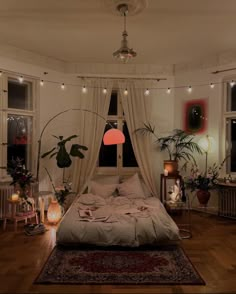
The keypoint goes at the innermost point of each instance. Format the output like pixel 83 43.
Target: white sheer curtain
pixel 91 128
pixel 137 108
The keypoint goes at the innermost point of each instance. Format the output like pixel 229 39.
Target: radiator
pixel 227 202
pixel 6 191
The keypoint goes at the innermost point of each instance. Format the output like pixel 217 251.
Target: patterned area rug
pixel 160 265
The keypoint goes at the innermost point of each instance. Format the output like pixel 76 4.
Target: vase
pixel 171 166
pixel 203 197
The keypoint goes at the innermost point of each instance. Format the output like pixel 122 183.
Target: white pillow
pixel 90 199
pixel 102 189
pixel 131 188
pixel 107 180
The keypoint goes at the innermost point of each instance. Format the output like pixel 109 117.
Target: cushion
pixel 104 190
pixel 131 188
pixel 107 180
pixel 90 199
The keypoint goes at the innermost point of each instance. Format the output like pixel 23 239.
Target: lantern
pixel 54 212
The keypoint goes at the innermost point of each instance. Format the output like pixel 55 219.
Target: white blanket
pixel 116 221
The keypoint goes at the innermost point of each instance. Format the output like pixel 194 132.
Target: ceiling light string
pixel 85 88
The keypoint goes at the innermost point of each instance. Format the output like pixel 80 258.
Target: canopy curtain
pixel 137 108
pixel 91 128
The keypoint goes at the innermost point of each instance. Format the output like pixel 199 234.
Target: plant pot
pixel 171 166
pixel 203 197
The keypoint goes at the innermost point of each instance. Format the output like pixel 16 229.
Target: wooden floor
pixel 212 250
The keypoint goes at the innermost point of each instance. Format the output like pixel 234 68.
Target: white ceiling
pixel 86 31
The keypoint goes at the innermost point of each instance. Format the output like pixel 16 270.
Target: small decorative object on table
pixel 56 209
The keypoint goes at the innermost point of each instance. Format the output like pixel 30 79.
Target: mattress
pixel 121 221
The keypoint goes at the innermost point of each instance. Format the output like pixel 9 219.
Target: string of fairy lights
pixel 85 88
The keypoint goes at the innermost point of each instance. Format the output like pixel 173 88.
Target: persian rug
pixel 165 265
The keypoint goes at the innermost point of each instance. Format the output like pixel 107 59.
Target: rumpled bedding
pixel 91 219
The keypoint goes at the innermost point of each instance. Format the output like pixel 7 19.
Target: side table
pixel 16 218
pixel 183 210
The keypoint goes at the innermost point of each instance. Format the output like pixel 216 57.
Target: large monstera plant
pixel 63 157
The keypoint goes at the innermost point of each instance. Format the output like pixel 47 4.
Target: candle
pixel 15 197
pixel 165 172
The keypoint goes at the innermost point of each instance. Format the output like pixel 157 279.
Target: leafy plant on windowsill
pixel 179 145
pixel 21 178
pixel 204 180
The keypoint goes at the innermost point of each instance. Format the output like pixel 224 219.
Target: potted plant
pixel 63 157
pixel 202 182
pixel 179 146
pixel 21 179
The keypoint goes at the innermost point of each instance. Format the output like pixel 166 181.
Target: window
pixel 117 158
pixel 230 126
pixel 17 121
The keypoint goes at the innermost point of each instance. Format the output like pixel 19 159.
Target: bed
pixel 104 218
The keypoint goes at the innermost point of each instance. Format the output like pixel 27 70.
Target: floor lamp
pixel 111 137
pixel 207 144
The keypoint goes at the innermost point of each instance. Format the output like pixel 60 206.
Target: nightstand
pixel 181 213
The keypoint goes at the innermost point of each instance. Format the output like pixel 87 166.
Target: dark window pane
pixel 108 153
pixel 19 138
pixel 19 95
pixel 233 146
pixel 129 159
pixel 113 108
pixel 231 105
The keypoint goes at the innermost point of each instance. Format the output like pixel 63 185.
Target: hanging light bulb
pixel 63 86
pixel 124 53
pixel 104 91
pixel 212 86
pixel 146 92
pixel 232 83
pixel 168 90
pixel 190 89
pixel 84 90
pixel 21 79
pixel 41 83
pixel 125 92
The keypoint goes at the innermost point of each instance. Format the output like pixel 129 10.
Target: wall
pixel 214 96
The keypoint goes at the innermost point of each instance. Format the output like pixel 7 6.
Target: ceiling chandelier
pixel 124 53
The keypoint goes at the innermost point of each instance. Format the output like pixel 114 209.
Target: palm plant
pixel 179 145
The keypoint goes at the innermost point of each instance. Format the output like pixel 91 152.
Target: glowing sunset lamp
pixel 113 137
pixel 208 145
pixel 54 212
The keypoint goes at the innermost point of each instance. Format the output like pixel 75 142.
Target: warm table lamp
pixel 207 144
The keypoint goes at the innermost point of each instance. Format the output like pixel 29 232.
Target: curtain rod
pixel 122 78
pixel 223 70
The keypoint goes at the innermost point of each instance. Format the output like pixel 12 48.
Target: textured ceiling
pixel 86 31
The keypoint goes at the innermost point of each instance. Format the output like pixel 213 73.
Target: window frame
pixel 5 111
pixel 119 169
pixel 227 115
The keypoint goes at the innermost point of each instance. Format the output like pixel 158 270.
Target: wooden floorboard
pixel 212 250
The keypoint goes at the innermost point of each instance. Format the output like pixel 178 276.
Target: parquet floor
pixel 212 250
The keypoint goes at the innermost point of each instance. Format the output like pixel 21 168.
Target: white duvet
pixel 92 219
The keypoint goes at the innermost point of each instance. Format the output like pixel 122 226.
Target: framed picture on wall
pixel 195 116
